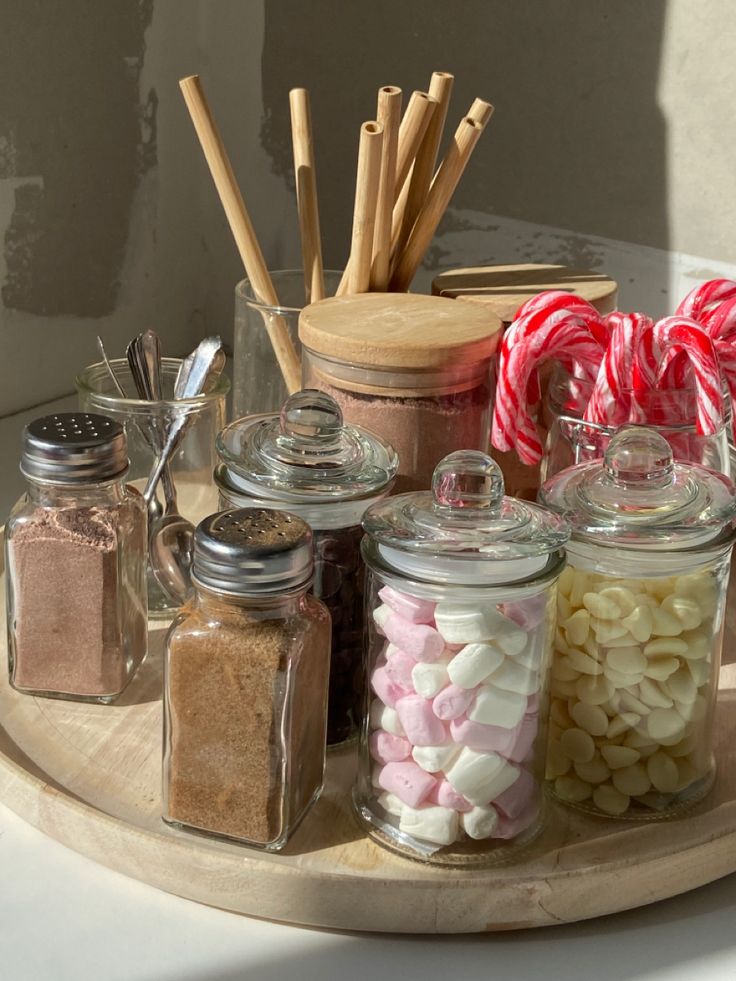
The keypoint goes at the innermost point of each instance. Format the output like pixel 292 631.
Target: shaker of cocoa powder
pixel 76 551
pixel 246 668
pixel 307 460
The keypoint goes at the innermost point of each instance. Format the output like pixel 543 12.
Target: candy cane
pixel 513 425
pixel 610 401
pixel 699 300
pixel 682 334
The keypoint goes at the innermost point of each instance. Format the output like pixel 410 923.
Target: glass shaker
pixel 641 615
pixel 245 683
pixel 416 370
pixel 76 558
pixel 307 461
pixel 461 596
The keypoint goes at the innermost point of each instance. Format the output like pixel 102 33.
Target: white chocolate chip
pixel 639 623
pixel 572 788
pixel 631 703
pixel 631 780
pixel 621 723
pixel 685 609
pixel 591 718
pixel 583 663
pixel 665 624
pixel 594 772
pixel 681 686
pixel 558 763
pixel 660 668
pixel 653 695
pixel 578 745
pixel 664 723
pixel 609 800
pixel 627 660
pixel 607 630
pixel 618 757
pixel 601 606
pixel 663 772
pixel 593 690
pixel 624 599
pixel 576 627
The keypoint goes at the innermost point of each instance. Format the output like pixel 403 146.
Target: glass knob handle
pixel 638 457
pixel 468 479
pixel 312 415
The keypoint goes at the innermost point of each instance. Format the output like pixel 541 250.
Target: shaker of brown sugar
pixel 246 670
pixel 76 552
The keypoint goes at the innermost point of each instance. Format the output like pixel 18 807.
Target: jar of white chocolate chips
pixel 461 592
pixel 640 612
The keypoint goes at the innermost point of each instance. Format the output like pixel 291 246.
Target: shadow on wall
pixel 577 144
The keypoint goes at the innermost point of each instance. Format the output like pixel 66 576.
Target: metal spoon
pixel 132 352
pixel 113 377
pixel 171 539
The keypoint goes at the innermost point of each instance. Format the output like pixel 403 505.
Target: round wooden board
pixel 89 776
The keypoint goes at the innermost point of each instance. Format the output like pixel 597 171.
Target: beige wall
pixel 612 145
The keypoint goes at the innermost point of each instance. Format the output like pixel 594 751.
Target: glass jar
pixel 258 385
pixel 641 615
pixel 416 370
pixel 461 595
pixel 670 412
pixel 191 465
pixel 75 547
pixel 307 461
pixel 245 683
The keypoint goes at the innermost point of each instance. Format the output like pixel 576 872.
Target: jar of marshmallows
pixel 641 613
pixel 460 608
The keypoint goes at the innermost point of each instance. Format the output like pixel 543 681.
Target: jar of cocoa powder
pixel 76 559
pixel 308 461
pixel 245 682
pixel 416 370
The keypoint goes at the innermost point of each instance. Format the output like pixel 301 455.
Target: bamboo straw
pixel 389 116
pixel 481 111
pixel 443 186
pixel 440 88
pixel 358 272
pixel 240 226
pixel 306 194
pixel 414 125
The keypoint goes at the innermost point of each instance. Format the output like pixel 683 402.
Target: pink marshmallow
pixel 511 827
pixel 532 705
pixel 513 744
pixel 525 734
pixel 514 801
pixel 399 667
pixel 417 639
pixel 387 748
pixel 421 725
pixel 411 608
pixel 528 613
pixel 452 702
pixel 445 795
pixel 386 689
pixel 409 782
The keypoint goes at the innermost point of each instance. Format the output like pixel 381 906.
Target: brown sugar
pixel 245 702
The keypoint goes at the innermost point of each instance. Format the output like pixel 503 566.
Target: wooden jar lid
pixel 399 330
pixel 502 289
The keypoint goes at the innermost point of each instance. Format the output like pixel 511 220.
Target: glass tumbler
pixel 671 413
pixel 191 465
pixel 257 382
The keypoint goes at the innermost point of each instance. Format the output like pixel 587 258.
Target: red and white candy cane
pixel 700 300
pixel 610 401
pixel 684 335
pixel 559 339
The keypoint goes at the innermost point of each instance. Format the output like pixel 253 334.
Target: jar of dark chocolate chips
pixel 307 461
pixel 76 558
pixel 245 682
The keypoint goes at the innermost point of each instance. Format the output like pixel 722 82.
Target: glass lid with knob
pixel 306 452
pixel 637 496
pixel 465 529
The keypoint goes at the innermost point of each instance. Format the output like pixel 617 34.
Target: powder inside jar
pixel 72 634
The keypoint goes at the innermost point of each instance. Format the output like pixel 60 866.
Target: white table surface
pixel 64 917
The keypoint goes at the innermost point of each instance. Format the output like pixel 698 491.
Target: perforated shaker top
pixel 74 448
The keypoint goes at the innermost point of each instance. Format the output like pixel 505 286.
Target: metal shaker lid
pixel 252 551
pixel 74 448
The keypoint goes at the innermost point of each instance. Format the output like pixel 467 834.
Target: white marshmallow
pixel 430 678
pixel 391 804
pixel 383 717
pixel 481 777
pixel 481 822
pixel 512 676
pixel 497 707
pixel 381 615
pixel 440 825
pixel 473 664
pixel 461 623
pixel 436 758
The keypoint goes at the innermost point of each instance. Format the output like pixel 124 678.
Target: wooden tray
pixel 89 776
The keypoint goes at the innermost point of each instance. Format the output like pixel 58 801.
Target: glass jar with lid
pixel 308 461
pixel 76 553
pixel 416 370
pixel 245 683
pixel 641 615
pixel 461 596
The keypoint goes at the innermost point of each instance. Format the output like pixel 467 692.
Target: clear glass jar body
pixel 454 740
pixel 145 422
pixel 423 414
pixel 245 708
pixel 258 385
pixel 634 680
pixel 339 584
pixel 671 413
pixel 76 590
